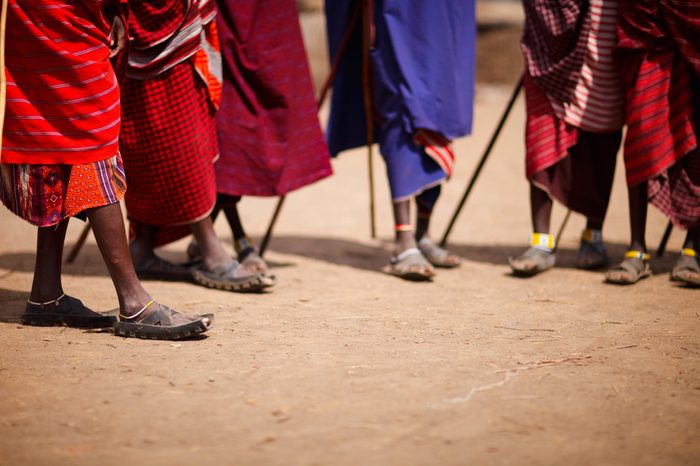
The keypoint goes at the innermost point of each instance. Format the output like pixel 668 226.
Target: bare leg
pixel 110 234
pixel 540 209
pixel 402 216
pixel 230 206
pixel 214 256
pixel 46 285
pixel 536 259
pixel 632 268
pixel 437 256
pixel 141 247
pixel 638 216
pixel 692 239
pixel 148 265
pixel 408 262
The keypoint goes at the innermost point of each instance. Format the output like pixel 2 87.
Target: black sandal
pixel 65 310
pixel 162 324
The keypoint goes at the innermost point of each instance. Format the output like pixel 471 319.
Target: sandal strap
pixel 690 252
pixel 641 255
pixel 543 241
pixel 408 252
pixel 123 317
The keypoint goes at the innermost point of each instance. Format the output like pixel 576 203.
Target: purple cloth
pixel 422 76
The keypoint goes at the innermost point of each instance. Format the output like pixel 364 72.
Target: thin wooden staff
pixel 486 154
pixel 561 228
pixel 664 240
pixel 367 44
pixel 342 48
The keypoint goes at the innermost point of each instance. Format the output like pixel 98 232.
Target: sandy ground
pixel 342 365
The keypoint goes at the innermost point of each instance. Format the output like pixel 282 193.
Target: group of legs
pixel 592 254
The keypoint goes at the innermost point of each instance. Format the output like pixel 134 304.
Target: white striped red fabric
pixel 438 148
pixel 598 102
pixel 62 94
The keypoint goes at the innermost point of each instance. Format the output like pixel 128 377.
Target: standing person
pixel 60 159
pixel 574 102
pixel 168 140
pixel 269 136
pixel 659 54
pixel 422 78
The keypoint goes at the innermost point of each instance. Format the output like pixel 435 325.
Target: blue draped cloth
pixel 422 78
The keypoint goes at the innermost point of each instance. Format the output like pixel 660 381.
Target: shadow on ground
pixel 371 257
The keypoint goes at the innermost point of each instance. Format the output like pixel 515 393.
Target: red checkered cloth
pixel 659 60
pixel 44 195
pixel 269 134
pixel 168 141
pixel 554 44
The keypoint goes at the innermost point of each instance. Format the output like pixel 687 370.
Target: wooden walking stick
pixel 561 229
pixel 367 44
pixel 664 240
pixel 321 99
pixel 487 152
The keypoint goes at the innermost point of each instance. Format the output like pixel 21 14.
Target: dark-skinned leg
pixel 687 267
pixel 638 203
pixel 425 204
pixel 402 216
pixel 632 269
pixel 539 258
pixel 540 209
pixel 408 262
pixel 46 285
pixel 141 247
pixel 110 234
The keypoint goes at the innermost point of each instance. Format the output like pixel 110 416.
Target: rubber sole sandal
pixel 628 272
pixel 410 265
pixel 163 324
pixel 156 268
pixel 532 262
pixel 686 271
pixel 67 311
pixel 224 279
pixel 437 256
pixel 591 256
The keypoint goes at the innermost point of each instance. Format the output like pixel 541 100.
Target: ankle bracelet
pixel 542 241
pixel 138 313
pixel 53 301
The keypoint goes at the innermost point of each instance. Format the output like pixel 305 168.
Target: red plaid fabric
pixel 659 60
pixel 554 44
pixel 44 195
pixel 168 141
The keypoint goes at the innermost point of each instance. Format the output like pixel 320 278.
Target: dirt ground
pixel 342 365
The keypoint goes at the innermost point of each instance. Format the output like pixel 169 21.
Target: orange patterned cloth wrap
pixel 44 195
